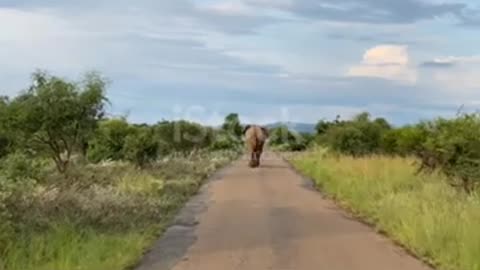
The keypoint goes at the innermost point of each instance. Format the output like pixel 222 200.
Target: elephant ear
pixel 265 131
pixel 246 128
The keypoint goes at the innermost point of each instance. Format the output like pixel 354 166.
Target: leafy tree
pixel 141 147
pixel 54 115
pixel 232 125
pixel 322 127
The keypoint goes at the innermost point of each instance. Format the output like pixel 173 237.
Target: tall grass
pixel 421 212
pixel 103 219
pixel 67 247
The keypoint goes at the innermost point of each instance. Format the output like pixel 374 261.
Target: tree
pixel 54 115
pixel 359 136
pixel 141 146
pixel 232 125
pixel 322 126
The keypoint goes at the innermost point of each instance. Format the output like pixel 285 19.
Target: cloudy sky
pixel 268 60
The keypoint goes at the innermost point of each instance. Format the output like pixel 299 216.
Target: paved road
pixel 269 218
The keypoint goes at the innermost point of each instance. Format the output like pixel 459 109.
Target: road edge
pixel 350 213
pixel 171 245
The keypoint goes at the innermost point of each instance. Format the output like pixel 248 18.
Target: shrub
pixel 453 146
pixel 19 167
pixel 109 140
pixel 357 137
pixel 182 136
pixel 232 125
pixel 225 140
pixel 141 146
pixel 18 176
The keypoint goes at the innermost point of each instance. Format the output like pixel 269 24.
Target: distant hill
pixel 298 127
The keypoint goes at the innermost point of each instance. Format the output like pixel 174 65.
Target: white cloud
pixel 454 75
pixel 231 8
pixel 126 44
pixel 390 62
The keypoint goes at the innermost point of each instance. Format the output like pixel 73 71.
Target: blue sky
pixel 268 60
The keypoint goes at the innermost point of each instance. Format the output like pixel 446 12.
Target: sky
pixel 267 60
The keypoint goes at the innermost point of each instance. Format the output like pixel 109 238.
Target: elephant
pixel 255 138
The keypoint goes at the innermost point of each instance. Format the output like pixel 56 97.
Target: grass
pixel 421 212
pixel 67 247
pixel 105 219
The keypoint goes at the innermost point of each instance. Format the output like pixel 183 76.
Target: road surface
pixel 270 218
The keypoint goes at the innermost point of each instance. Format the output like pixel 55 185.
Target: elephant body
pixel 255 138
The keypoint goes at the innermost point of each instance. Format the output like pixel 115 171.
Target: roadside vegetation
pixel 79 190
pixel 416 183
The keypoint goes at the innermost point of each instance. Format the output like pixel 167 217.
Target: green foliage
pixel 140 146
pixel 4 144
pixel 453 146
pixel 232 125
pixel 407 140
pixel 5 137
pixel 449 145
pixel 322 126
pixel 55 115
pixel 357 137
pixel 284 139
pixel 18 167
pixel 109 140
pixel 18 176
pixel 182 136
pixel 224 141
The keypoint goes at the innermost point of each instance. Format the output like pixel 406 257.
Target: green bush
pixel 4 144
pixel 18 176
pixel 182 136
pixel 282 139
pixel 141 146
pixel 19 167
pixel 232 125
pixel 453 146
pixel 225 140
pixel 109 140
pixel 357 137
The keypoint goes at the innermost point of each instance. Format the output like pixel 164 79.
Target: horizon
pixel 269 61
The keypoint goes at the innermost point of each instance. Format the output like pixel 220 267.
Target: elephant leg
pixel 252 160
pixel 259 153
